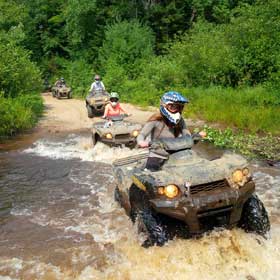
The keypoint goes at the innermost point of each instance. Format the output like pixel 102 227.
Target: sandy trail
pixel 71 114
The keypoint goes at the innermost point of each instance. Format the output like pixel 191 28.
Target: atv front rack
pixel 130 159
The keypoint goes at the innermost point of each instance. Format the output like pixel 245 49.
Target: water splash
pixel 78 147
pixel 65 224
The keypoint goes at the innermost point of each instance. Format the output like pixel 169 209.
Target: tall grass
pixel 253 109
pixel 250 109
pixel 19 113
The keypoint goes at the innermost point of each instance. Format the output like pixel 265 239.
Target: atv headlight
pixel 109 136
pixel 106 99
pixel 135 133
pixel 170 191
pixel 92 101
pixel 237 176
pixel 240 177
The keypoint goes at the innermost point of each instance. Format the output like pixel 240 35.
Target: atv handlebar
pixel 117 118
pixel 176 144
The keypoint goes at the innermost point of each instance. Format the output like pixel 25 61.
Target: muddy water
pixel 58 220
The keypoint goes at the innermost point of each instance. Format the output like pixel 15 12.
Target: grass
pixel 18 114
pixel 251 109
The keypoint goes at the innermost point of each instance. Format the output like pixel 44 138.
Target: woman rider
pixel 166 124
pixel 113 108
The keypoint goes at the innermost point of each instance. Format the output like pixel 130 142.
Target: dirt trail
pixel 70 114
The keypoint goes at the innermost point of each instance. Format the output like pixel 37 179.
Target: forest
pixel 222 54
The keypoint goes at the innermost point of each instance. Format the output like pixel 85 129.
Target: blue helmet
pixel 172 97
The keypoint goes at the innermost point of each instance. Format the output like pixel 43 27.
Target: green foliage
pixel 202 57
pixel 44 28
pixel 255 37
pixel 126 44
pixel 252 109
pixel 17 73
pixel 78 75
pixel 18 114
pixel 11 14
pixel 19 77
pixel 250 145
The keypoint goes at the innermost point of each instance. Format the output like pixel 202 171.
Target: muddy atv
pixel 96 102
pixel 189 195
pixel 115 131
pixel 62 91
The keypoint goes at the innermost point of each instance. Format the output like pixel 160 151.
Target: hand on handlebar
pixel 143 144
pixel 202 134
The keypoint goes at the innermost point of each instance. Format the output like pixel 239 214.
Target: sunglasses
pixel 114 99
pixel 174 107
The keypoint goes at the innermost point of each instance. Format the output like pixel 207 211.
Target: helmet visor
pixel 175 107
pixel 114 99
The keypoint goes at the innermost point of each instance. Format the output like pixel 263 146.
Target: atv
pixel 96 102
pixel 62 91
pixel 115 131
pixel 189 195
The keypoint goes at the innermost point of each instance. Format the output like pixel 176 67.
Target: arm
pixel 185 131
pixel 106 111
pixel 103 87
pixel 146 130
pixel 91 87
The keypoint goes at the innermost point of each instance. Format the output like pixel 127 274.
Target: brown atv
pixel 115 131
pixel 61 91
pixel 189 195
pixel 96 102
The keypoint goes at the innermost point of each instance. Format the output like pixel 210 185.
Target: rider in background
pixel 113 108
pixel 168 123
pixel 61 82
pixel 97 85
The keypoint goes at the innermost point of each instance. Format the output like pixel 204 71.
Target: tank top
pixel 114 111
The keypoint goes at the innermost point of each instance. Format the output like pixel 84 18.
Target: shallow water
pixel 59 221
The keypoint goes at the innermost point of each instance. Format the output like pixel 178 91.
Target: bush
pixel 18 75
pixel 126 44
pixel 19 113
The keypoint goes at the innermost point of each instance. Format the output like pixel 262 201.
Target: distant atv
pixel 115 131
pixel 61 91
pixel 96 102
pixel 190 195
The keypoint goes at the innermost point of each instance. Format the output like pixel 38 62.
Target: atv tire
pixel 53 93
pixel 148 221
pixel 254 217
pixel 150 224
pixel 90 111
pixel 69 96
pixel 117 196
pixel 94 139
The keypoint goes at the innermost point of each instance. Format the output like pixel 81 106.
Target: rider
pixel 113 108
pixel 166 124
pixel 97 85
pixel 60 82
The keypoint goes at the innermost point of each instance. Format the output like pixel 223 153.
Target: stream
pixel 59 220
